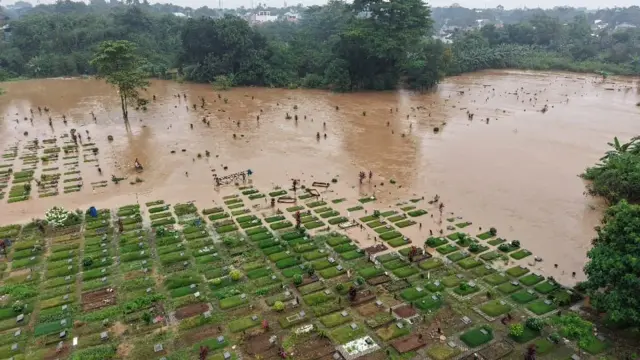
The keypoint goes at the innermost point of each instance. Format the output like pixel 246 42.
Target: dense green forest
pixel 369 44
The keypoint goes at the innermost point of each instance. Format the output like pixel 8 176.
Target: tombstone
pixel 287 294
pixel 14 347
pixel 103 271
pixel 548 302
pixel 460 276
pixel 185 264
pixel 17 333
pixel 451 344
pixel 142 252
pixel 29 277
pixel 63 334
pixel 104 259
pixel 466 320
pixel 145 270
pixel 144 262
pixel 197 294
pixel 502 302
pixel 331 260
pixel 226 355
pixel 353 326
pixel 339 268
pixel 104 251
pixel 488 267
pixel 104 336
pixel 207 314
pixel 327 292
pixel 70 267
pixel 181 253
pixel 104 279
pixel 67 278
pixel 378 303
pixel 192 286
pixel 399 325
pixel 575 357
pixel 336 356
pixel 64 307
pixel 157 347
pixel 530 292
pixel 69 261
pixel 66 297
pixel 484 332
pixel 515 283
pixel 436 283
pixel 273 277
pixel 149 290
pixel 243 296
pixel 32 258
pixel 63 322
pixel 302 313
pixel 434 297
pixel 472 283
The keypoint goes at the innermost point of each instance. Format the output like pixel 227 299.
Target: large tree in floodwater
pixel 118 64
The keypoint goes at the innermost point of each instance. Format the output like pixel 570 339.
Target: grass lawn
pixel 496 279
pixel 281 225
pixel 412 294
pixel 442 352
pixel 405 223
pixel 508 288
pixel 543 346
pixel 434 242
pixel 393 331
pixel 495 308
pixel 540 307
pixel 523 297
pixel 429 303
pixel 335 319
pixel 231 302
pixel 521 254
pixel 397 242
pixel 484 236
pixel 345 333
pixel 465 289
pixel 457 256
pixel 517 271
pixel 369 272
pixel 595 347
pixel 286 263
pixel 243 324
pixel 313 225
pixel 526 336
pixel 405 272
pixel 531 279
pixel 546 287
pixel 430 264
pixel 338 240
pixel 331 272
pixel 478 336
pixel 416 213
pixel 469 263
pixel 390 235
pixel 350 255
pixel 447 249
pixel 451 281
pixel 496 242
pixel 321 264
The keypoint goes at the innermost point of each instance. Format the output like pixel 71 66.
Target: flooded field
pixel 509 165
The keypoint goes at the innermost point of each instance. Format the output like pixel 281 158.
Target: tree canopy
pixel 613 269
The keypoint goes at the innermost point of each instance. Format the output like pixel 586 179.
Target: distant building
pixel 179 14
pixel 624 26
pixel 291 16
pixel 5 32
pixel 262 17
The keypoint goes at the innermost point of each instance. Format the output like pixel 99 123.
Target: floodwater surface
pixel 510 166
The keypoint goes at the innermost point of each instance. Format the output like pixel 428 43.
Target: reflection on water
pixel 511 167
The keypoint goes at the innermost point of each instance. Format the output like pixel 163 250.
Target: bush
pixel 87 262
pixel 297 279
pixel 515 243
pixel 278 306
pixel 474 247
pixel 535 324
pixel 216 281
pixel 18 306
pixel 235 275
pixel 516 330
pixel 493 231
pixel 340 287
pixel 555 338
pixel 311 271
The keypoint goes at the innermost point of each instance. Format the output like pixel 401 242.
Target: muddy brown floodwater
pixel 517 172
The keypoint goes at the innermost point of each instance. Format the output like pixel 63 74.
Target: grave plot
pixel 71 177
pixel 160 213
pixel 98 299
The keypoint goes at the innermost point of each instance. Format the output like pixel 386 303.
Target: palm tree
pixel 632 146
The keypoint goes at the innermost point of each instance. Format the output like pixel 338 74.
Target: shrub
pixel 493 231
pixel 87 262
pixel 146 317
pixel 515 243
pixel 340 287
pixel 311 271
pixel 535 324
pixel 235 275
pixel 216 281
pixel 278 306
pixel 474 247
pixel 516 330
pixel 504 247
pixel 555 338
pixel 18 306
pixel 297 279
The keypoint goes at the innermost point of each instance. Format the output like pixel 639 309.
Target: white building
pixel 291 16
pixel 262 17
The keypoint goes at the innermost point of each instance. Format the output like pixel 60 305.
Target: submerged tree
pixel 118 64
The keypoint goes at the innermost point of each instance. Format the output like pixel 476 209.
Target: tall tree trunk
pixel 125 110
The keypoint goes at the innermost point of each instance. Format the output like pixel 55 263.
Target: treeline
pixel 364 45
pixel 545 43
pixel 612 271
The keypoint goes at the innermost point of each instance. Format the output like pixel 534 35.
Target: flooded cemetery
pixel 276 224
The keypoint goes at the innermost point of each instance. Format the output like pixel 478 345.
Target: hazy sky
pixel 591 4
